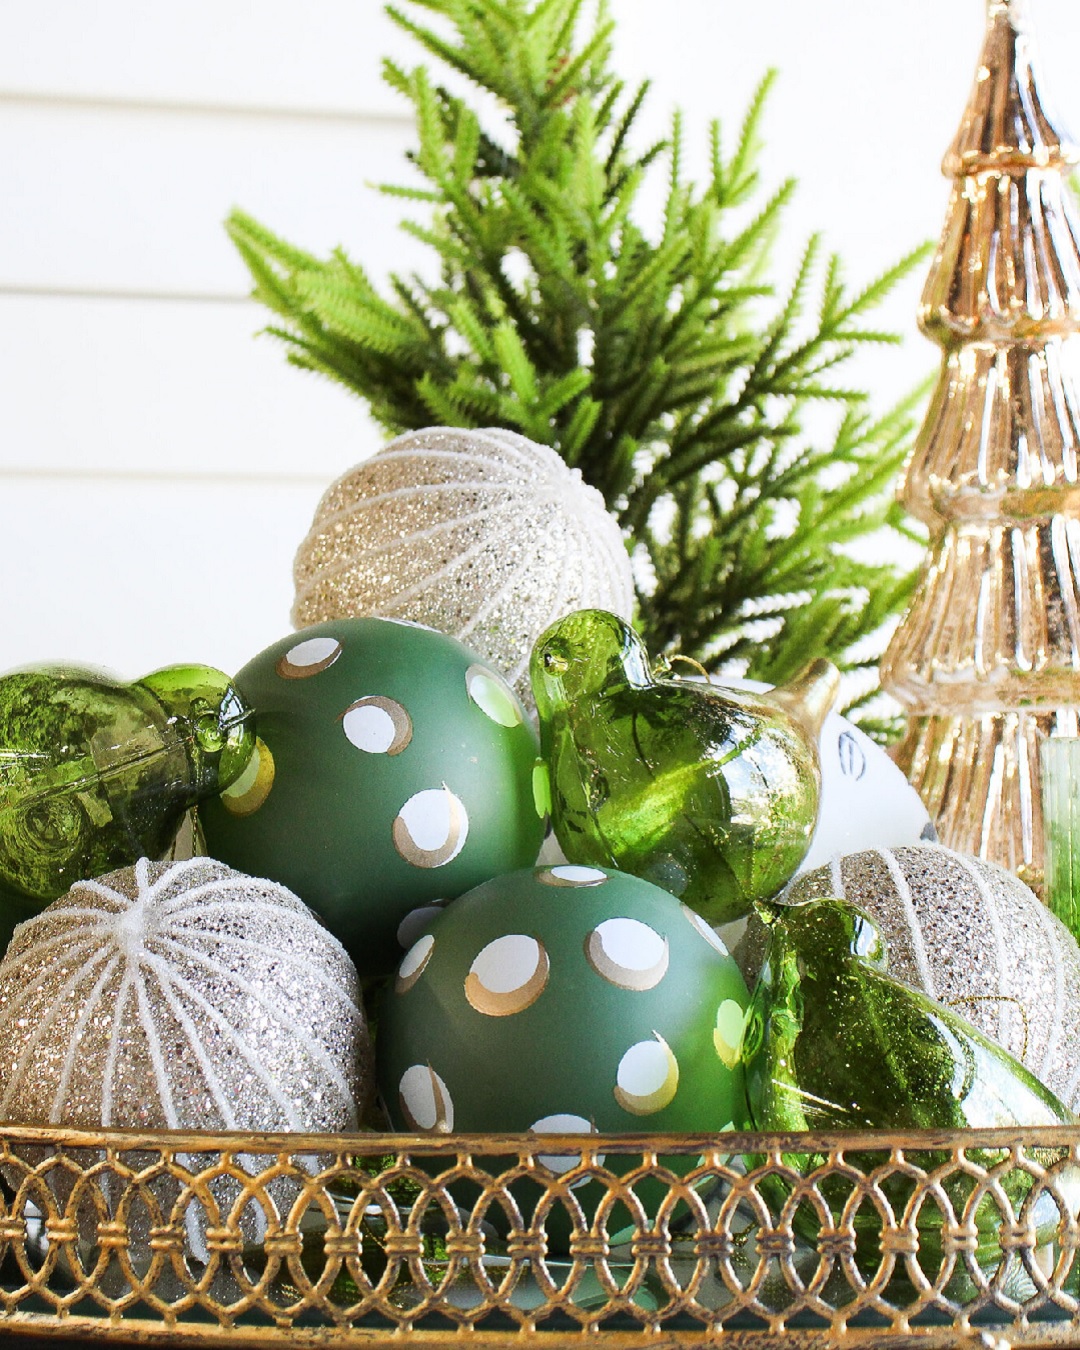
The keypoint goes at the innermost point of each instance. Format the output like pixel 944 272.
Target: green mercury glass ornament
pixel 95 774
pixel 709 792
pixel 833 1042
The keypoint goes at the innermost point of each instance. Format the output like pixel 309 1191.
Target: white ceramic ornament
pixel 975 938
pixel 866 802
pixel 484 535
pixel 180 996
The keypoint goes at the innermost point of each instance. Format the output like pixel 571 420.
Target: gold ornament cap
pixel 809 697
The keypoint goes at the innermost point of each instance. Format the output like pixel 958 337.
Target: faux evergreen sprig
pixel 657 361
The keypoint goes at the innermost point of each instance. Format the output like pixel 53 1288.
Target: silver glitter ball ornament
pixel 484 535
pixel 975 938
pixel 180 996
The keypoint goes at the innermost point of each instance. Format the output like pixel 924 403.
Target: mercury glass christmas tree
pixel 988 658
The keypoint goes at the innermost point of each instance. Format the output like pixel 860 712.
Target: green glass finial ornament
pixel 95 774
pixel 711 793
pixel 833 1042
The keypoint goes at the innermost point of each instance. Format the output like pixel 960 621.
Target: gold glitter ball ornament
pixel 180 996
pixel 977 939
pixel 484 535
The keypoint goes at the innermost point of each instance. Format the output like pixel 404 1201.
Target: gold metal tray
pixel 541 1240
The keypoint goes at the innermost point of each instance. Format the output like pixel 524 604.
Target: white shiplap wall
pixel 157 465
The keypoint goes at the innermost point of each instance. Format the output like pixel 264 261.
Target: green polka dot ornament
pixel 394 769
pixel 565 999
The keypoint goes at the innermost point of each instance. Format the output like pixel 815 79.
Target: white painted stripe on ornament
pixel 491 601
pixel 157 1059
pixel 325 524
pixel 331 987
pixel 312 1049
pixel 246 1052
pixel 1004 988
pixel 485 438
pixel 499 468
pixel 455 564
pixel 510 443
pixel 903 890
pixel 243 1049
pixel 230 980
pixel 564 584
pixel 194 897
pixel 558 607
pixel 1046 919
pixel 506 450
pixel 103 892
pixel 511 490
pixel 213 1086
pixel 176 871
pixel 13 963
pixel 113 1053
pixel 56 1108
pixel 70 984
pixel 103 921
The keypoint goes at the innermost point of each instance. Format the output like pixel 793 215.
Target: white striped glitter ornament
pixel 975 938
pixel 484 535
pixel 180 996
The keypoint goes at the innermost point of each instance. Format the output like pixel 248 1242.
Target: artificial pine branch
pixel 660 364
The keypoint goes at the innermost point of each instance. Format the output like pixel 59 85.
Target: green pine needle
pixel 659 361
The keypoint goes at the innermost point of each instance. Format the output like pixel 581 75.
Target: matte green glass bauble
pixel 711 793
pixel 833 1042
pixel 568 999
pixel 394 767
pixel 95 773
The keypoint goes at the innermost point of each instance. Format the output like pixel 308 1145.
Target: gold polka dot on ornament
pixel 253 786
pixel 424 1100
pixel 508 975
pixel 414 964
pixel 647 1077
pixel 493 696
pixel 568 874
pixel 728 1032
pixel 431 828
pixel 308 658
pixel 377 725
pixel 627 953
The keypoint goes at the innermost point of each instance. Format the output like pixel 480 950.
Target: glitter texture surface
pixel 181 995
pixel 484 535
pixel 975 938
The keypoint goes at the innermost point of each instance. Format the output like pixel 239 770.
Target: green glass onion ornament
pixel 95 774
pixel 710 793
pixel 833 1042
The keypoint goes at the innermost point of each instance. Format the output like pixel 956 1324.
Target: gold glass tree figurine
pixel 988 658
